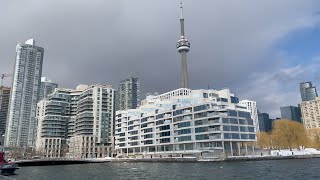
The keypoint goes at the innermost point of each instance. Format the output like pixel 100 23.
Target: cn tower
pixel 183 46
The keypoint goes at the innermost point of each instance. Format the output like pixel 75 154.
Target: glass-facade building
pixel 47 87
pixel 128 94
pixel 265 123
pixel 21 124
pixel 185 122
pixel 291 113
pixel 307 91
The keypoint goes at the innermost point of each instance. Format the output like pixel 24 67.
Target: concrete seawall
pixel 47 162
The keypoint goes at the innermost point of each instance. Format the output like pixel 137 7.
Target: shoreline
pixel 50 162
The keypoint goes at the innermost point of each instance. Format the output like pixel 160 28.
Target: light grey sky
pixel 233 43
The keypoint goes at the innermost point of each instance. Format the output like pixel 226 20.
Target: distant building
pixel 128 94
pixel 307 91
pixel 185 122
pixel 4 106
pixel 252 107
pixel 47 87
pixel 83 119
pixel 291 113
pixel 21 124
pixel 311 113
pixel 265 123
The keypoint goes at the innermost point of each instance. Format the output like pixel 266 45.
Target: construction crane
pixel 2 78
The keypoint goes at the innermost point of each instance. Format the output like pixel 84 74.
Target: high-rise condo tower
pixel 21 123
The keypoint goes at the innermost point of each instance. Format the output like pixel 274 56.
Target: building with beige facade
pixel 310 111
pixel 76 123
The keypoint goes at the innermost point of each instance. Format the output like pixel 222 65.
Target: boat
pixel 7 167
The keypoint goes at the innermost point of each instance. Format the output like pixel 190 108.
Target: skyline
pixel 139 41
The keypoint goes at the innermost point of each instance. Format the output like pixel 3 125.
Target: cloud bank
pixel 232 44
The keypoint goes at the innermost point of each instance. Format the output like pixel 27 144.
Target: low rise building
pixel 185 122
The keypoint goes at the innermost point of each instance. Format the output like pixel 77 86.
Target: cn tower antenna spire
pixel 181 10
pixel 183 46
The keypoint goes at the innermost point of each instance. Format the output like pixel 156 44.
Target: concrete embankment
pixel 47 162
pixel 154 160
pixel 262 158
pixel 227 159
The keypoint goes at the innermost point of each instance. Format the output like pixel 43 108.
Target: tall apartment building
pixel 4 105
pixel 56 117
pixel 291 113
pixel 252 107
pixel 128 94
pixel 307 91
pixel 311 113
pixel 82 119
pixel 185 122
pixel 47 87
pixel 21 124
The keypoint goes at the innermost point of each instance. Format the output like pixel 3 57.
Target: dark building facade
pixel 265 123
pixel 4 106
pixel 291 113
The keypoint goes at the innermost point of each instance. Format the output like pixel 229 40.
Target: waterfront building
pixel 94 122
pixel 128 94
pixel 21 124
pixel 311 113
pixel 307 91
pixel 47 87
pixel 252 107
pixel 53 116
pixel 265 123
pixel 185 122
pixel 82 119
pixel 291 113
pixel 4 106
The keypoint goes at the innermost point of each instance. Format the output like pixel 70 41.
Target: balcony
pixel 217 121
pixel 214 129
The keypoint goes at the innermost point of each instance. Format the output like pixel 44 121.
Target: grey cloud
pixel 104 41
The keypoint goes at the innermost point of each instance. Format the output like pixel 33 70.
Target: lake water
pixel 276 169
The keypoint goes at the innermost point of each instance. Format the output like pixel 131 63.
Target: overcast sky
pixel 260 49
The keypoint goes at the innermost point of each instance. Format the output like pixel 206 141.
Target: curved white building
pixel 185 122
